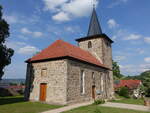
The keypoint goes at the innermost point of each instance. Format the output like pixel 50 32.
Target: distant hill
pixel 16 81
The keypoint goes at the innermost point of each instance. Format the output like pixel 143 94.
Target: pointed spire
pixel 94 27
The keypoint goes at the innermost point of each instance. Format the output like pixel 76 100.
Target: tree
pixel 124 91
pixel 116 71
pixel 145 77
pixel 5 53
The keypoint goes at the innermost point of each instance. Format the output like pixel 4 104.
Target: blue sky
pixel 35 24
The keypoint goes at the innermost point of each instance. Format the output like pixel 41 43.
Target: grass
pixel 130 101
pixel 100 109
pixel 18 105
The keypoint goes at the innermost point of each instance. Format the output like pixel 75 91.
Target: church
pixel 66 74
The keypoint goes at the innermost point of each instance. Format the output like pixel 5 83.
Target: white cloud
pixel 147 40
pixel 28 50
pixel 68 9
pixel 112 23
pixel 53 4
pixel 147 59
pixel 37 34
pixel 33 33
pixel 15 18
pixel 22 47
pixel 72 29
pixel 140 51
pixel 114 37
pixel 119 58
pixel 123 34
pixel 15 44
pixel 133 37
pixel 116 3
pixel 69 29
pixel 25 31
pixel 145 67
pixel 11 19
pixel 134 69
pixel 61 17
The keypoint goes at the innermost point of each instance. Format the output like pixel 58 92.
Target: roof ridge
pixel 82 50
pixel 61 48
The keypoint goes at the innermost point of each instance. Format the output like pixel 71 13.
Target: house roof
pixel 131 84
pixel 60 49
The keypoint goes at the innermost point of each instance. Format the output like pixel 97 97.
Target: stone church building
pixel 63 73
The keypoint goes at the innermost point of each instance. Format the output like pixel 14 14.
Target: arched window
pixel 93 77
pixel 82 85
pixel 102 82
pixel 89 44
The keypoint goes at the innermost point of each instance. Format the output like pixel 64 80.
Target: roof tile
pixel 61 48
pixel 127 83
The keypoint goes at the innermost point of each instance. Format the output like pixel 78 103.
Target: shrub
pixel 124 91
pixel 21 92
pixel 5 92
pixel 96 102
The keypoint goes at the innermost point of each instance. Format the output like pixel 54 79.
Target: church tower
pixel 98 44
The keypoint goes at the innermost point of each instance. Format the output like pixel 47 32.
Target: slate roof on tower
pixel 61 49
pixel 94 30
pixel 94 27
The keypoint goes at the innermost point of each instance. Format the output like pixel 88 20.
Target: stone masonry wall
pixel 107 56
pixel 96 49
pixel 73 82
pixel 101 49
pixel 56 80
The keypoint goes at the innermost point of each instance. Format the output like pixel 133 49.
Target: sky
pixel 35 24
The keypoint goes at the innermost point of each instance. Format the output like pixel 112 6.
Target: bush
pixel 124 91
pixel 147 92
pixel 5 92
pixel 21 92
pixel 96 102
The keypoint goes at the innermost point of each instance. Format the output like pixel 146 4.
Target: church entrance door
pixel 93 92
pixel 43 87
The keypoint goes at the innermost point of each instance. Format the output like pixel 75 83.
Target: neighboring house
pixel 4 85
pixel 63 73
pixel 11 90
pixel 17 87
pixel 132 85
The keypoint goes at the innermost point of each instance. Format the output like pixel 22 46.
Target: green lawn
pixel 18 105
pixel 100 109
pixel 130 101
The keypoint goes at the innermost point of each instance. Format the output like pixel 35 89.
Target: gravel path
pixel 108 104
pixel 66 108
pixel 127 106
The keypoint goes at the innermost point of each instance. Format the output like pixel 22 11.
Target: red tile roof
pixel 62 49
pixel 131 84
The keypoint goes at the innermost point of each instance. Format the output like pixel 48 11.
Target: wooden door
pixel 43 87
pixel 93 92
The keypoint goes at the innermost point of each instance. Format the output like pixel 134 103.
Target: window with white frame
pixel 82 85
pixel 102 82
